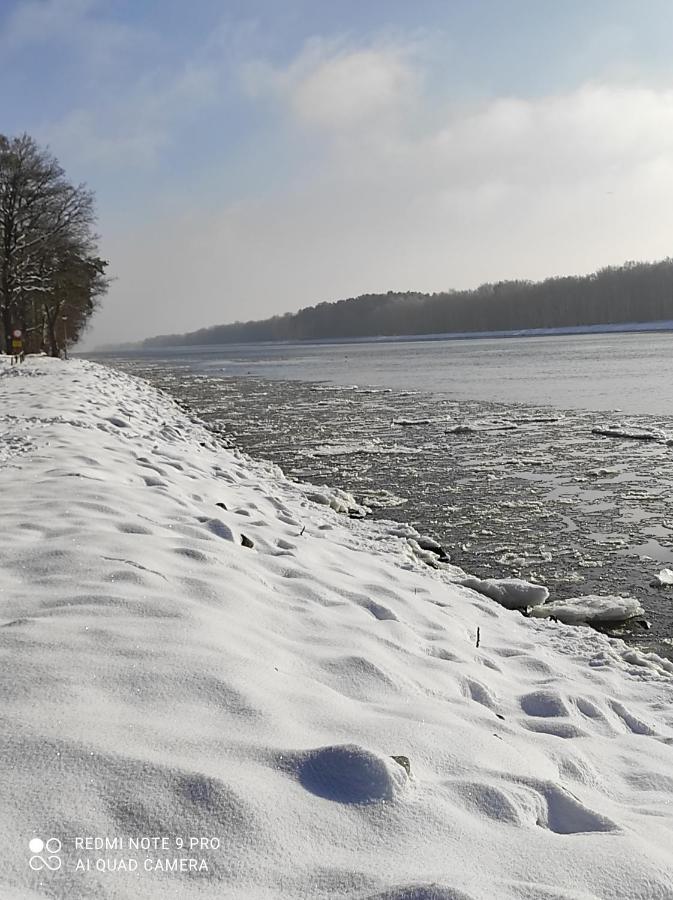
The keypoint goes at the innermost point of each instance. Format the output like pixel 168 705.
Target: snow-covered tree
pixel 48 248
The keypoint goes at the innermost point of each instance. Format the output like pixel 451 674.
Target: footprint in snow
pixel 218 528
pixel 544 704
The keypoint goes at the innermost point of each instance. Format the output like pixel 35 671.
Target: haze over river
pixel 485 444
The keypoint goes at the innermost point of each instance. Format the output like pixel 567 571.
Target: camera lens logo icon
pixel 45 854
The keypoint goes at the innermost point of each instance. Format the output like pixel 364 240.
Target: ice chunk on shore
pixel 512 593
pixel 663 579
pixel 426 555
pixel 593 609
pixel 338 500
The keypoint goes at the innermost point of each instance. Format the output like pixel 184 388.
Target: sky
pixel 251 157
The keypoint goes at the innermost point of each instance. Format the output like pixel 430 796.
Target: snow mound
pixel 512 593
pixel 593 609
pixel 348 773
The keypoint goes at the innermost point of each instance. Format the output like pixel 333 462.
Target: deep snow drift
pixel 195 651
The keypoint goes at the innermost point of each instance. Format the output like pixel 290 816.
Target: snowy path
pixel 160 679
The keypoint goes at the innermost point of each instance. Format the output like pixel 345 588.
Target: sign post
pixel 17 346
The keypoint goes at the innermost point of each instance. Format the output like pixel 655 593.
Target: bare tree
pixel 48 246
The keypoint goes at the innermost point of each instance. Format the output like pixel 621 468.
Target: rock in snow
pixel 161 680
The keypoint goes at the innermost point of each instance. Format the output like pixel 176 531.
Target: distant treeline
pixel 634 292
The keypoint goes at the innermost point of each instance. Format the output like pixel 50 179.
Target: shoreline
pixel 353 427
pixel 665 325
pixel 185 679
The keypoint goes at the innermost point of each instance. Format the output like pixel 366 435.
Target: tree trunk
pixel 7 328
pixel 51 331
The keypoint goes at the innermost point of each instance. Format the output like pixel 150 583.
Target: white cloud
pixel 339 88
pixel 353 89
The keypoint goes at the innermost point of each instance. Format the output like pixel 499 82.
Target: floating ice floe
pixel 624 431
pixel 411 421
pixel 512 593
pixel 510 557
pixel 593 609
pixel 383 499
pixel 530 420
pixel 354 448
pixel 373 390
pixel 469 427
pixel 663 579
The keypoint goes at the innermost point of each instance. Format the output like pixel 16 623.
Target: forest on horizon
pixel 632 292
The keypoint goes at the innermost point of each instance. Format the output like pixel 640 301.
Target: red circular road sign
pixel 17 333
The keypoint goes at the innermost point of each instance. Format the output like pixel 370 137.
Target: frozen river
pixel 628 372
pixel 486 444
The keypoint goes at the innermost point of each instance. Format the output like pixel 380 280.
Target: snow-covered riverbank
pixel 163 679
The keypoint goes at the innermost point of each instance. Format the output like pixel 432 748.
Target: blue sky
pixel 254 157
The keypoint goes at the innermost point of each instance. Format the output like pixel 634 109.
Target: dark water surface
pixel 528 490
